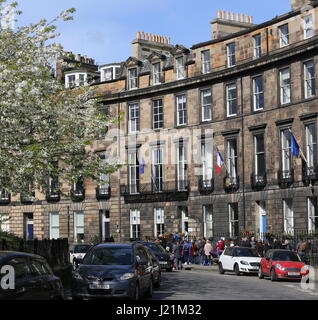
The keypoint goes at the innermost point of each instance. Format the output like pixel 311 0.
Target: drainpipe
pixel 119 199
pixel 243 156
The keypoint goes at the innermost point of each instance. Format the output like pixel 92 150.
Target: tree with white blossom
pixel 41 123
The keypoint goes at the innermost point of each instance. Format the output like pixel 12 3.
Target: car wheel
pixel 221 270
pixel 169 270
pixel 260 273
pixel 273 275
pixel 237 270
pixel 149 292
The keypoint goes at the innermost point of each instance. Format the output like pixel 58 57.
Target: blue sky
pixel 104 29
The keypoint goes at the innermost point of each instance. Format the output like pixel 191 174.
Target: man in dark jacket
pixel 177 252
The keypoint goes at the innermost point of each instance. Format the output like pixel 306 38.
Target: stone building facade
pixel 248 95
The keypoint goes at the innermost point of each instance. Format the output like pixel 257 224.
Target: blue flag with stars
pixel 295 149
pixel 142 166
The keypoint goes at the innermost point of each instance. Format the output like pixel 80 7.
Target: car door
pixel 39 278
pixel 142 268
pixel 225 258
pixel 267 262
pixel 231 258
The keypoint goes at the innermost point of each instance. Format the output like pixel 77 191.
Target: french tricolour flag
pixel 219 162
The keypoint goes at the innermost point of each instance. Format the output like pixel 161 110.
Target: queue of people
pixel 206 251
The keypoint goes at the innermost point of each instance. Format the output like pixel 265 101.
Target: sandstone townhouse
pixel 248 93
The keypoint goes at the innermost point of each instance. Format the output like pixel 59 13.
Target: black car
pixel 165 258
pixel 156 271
pixel 33 278
pixel 114 270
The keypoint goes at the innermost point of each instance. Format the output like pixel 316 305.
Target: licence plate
pixel 99 286
pixel 293 273
pixel 163 262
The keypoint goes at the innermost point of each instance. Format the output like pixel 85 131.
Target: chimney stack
pixel 299 4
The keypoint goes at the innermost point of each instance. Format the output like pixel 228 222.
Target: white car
pixel 77 253
pixel 239 260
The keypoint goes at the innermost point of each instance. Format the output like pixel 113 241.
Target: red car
pixel 282 264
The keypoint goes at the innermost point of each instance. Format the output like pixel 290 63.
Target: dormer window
pixel 180 68
pixel 75 80
pixel 157 73
pixel 284 35
pixel 231 59
pixel 108 73
pixel 132 79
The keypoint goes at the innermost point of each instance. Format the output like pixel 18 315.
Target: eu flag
pixel 295 149
pixel 142 167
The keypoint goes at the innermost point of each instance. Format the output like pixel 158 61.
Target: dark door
pixel 28 226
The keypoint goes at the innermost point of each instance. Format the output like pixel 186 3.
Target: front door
pixel 105 224
pixel 29 234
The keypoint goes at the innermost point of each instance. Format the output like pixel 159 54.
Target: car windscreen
pixel 245 252
pixel 109 256
pixel 285 256
pixel 81 248
pixel 156 248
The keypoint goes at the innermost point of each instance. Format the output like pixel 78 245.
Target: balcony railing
pixel 258 182
pixel 206 186
pixel 156 192
pixel 27 198
pixel 103 192
pixel 53 195
pixel 310 174
pixel 78 193
pixel 285 178
pixel 5 197
pixel 231 184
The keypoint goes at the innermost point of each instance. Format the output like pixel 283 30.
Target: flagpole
pixel 300 150
pixel 301 154
pixel 228 172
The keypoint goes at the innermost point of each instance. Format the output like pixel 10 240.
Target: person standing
pixel 201 251
pixel 253 242
pixel 207 251
pixel 193 252
pixel 286 245
pixel 301 249
pixel 177 252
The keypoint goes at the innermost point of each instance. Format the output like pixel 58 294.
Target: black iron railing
pixel 5 197
pixel 53 195
pixel 152 192
pixel 206 186
pixel 310 174
pixel 258 182
pixel 231 184
pixel 103 192
pixel 78 192
pixel 285 178
pixel 27 198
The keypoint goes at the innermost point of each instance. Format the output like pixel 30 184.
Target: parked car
pixel 282 264
pixel 114 270
pixel 33 278
pixel 77 253
pixel 165 257
pixel 240 260
pixel 156 271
